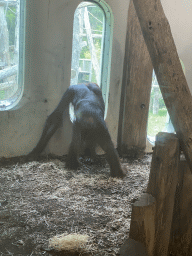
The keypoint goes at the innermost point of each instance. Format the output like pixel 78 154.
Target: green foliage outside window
pixel 11 24
pixel 96 22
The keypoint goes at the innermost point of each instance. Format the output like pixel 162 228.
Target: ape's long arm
pixel 54 121
pixel 89 128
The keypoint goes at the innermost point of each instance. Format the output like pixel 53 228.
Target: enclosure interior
pixel 42 198
pixel 47 69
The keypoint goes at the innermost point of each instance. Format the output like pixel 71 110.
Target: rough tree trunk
pixel 162 184
pixel 142 227
pixel 181 235
pixel 137 78
pixel 168 69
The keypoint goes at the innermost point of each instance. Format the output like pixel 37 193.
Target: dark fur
pixel 89 128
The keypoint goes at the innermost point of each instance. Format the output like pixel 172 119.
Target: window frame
pixel 106 50
pixel 11 102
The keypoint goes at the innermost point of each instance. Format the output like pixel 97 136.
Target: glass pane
pixel 158 119
pixel 11 51
pixel 157 111
pixel 87 44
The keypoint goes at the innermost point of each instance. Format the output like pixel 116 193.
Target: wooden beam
pixel 162 185
pixel 168 69
pixel 142 228
pixel 132 248
pixel 137 78
pixel 181 237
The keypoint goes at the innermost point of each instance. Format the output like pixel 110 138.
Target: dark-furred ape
pixel 89 128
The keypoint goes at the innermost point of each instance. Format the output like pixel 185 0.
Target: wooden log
pixel 142 228
pixel 186 211
pixel 168 69
pixel 181 233
pixel 132 248
pixel 162 186
pixel 137 78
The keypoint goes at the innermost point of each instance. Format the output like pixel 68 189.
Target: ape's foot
pixel 72 164
pixel 120 173
pixel 32 156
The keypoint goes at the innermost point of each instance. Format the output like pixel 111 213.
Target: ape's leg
pixel 112 157
pixel 72 161
pixel 90 150
pixel 52 123
pixel 89 145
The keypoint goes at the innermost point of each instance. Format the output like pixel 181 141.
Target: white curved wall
pixel 179 15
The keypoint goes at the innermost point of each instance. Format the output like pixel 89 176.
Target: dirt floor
pixel 41 199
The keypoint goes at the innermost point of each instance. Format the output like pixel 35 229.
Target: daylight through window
pixel 11 52
pixel 158 118
pixel 91 45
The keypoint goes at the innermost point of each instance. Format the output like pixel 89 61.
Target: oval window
pixel 91 50
pixel 11 52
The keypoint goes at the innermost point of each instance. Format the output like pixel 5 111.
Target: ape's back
pixel 76 94
pixel 90 93
pixel 88 105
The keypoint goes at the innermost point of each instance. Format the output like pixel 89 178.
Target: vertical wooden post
pixel 168 69
pixel 162 186
pixel 142 228
pixel 132 248
pixel 181 237
pixel 137 78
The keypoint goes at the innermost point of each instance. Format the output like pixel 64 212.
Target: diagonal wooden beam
pixel 158 38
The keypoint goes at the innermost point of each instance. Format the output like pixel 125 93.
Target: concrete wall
pixel 179 15
pixel 49 29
